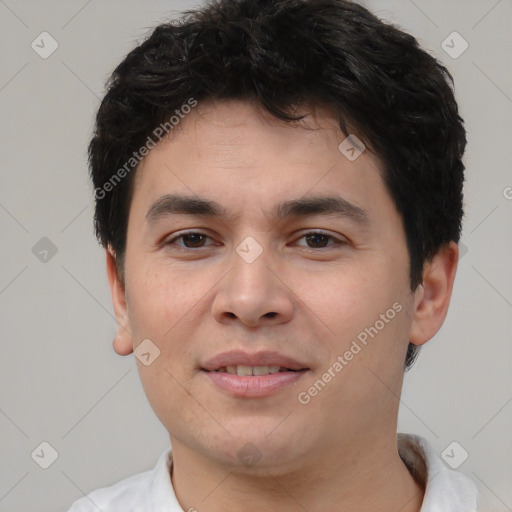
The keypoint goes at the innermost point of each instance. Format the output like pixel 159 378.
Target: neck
pixel 370 476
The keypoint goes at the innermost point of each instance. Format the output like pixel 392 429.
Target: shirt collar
pixel 445 489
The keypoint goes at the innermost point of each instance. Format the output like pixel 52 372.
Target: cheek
pixel 347 299
pixel 162 308
pixel 161 301
pixel 365 307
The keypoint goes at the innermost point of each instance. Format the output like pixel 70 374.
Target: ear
pixel 123 341
pixel 432 297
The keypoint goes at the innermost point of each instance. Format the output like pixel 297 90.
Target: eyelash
pixel 182 235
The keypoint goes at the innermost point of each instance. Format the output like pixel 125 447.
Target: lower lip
pixel 255 386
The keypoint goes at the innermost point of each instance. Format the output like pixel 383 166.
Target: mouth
pixel 244 375
pixel 253 371
pixel 239 362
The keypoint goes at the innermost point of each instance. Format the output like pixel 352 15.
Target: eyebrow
pixel 173 204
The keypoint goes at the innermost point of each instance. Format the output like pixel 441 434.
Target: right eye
pixel 191 240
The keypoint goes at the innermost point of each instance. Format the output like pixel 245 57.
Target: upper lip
pixel 262 358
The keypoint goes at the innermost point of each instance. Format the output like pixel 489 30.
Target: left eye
pixel 191 240
pixel 317 240
pixel 196 240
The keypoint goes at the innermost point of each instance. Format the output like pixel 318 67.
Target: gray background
pixel 60 380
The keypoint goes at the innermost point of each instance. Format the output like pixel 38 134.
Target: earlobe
pixel 123 341
pixel 432 297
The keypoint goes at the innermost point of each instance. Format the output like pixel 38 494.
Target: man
pixel 279 192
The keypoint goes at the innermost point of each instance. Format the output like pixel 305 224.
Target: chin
pixel 260 446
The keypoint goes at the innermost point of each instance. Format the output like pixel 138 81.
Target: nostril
pixel 271 314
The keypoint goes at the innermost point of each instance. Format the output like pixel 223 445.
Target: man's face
pixel 259 283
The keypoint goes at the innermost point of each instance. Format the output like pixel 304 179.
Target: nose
pixel 253 294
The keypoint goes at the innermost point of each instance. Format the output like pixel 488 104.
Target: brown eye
pixel 319 240
pixel 193 240
pixel 190 240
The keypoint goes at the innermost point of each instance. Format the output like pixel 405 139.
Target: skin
pixel 338 452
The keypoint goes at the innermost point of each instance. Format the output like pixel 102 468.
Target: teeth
pixel 260 370
pixel 246 371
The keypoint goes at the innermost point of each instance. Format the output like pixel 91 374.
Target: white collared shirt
pixel 152 491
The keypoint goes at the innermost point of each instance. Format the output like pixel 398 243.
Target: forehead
pixel 234 132
pixel 232 150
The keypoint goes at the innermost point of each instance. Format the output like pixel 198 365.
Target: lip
pixel 255 386
pixel 258 385
pixel 262 358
